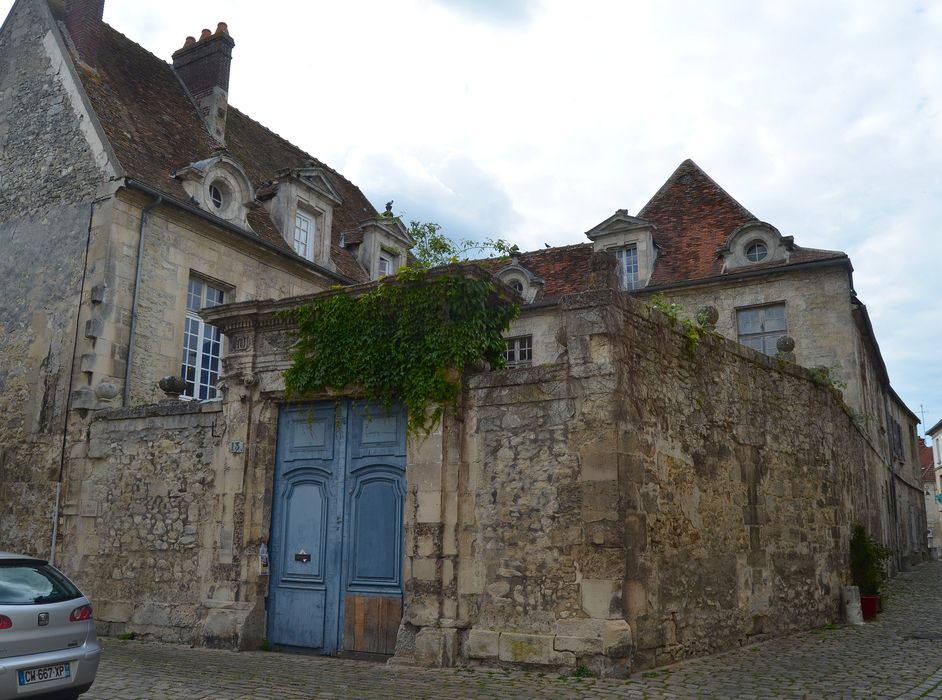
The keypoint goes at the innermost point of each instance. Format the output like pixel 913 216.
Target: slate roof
pixel 154 130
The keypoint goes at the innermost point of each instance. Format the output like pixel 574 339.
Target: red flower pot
pixel 869 605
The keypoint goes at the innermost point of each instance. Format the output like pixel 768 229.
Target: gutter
pixel 137 286
pixel 133 184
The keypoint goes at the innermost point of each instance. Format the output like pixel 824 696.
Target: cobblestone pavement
pixel 897 656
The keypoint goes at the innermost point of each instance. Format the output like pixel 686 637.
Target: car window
pixel 25 583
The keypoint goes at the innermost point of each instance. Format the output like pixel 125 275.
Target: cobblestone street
pixel 898 656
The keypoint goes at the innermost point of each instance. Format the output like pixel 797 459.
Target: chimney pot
pixel 205 34
pixel 83 22
pixel 189 42
pixel 222 28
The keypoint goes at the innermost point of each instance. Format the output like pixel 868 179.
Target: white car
pixel 48 647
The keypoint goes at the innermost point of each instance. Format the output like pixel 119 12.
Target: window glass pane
pixel 194 296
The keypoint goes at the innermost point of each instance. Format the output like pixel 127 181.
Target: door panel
pixel 375 560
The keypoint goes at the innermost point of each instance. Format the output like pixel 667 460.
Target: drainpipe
pixel 137 285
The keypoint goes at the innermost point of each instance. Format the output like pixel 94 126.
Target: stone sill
pixel 165 408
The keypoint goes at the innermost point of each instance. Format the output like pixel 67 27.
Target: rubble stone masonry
pixel 49 173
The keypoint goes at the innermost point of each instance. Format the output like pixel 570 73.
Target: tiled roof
pixel 155 130
pixel 693 217
pixel 925 461
pixel 563 270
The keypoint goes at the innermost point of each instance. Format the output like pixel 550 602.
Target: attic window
pixel 217 194
pixel 756 251
pixel 517 286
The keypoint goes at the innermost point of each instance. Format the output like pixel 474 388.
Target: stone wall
pixel 50 168
pixel 138 538
pixel 702 497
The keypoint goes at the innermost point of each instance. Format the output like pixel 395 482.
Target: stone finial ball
pixel 172 385
pixel 785 344
pixel 708 316
pixel 106 391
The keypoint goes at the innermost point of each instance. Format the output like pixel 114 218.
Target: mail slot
pixel 302 556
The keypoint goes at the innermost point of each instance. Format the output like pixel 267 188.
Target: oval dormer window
pixel 517 286
pixel 757 251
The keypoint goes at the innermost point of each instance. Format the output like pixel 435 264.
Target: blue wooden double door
pixel 337 528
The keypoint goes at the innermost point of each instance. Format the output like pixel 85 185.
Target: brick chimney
pixel 83 22
pixel 203 67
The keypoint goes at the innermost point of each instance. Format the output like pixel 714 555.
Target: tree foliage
pixel 433 248
pixel 407 339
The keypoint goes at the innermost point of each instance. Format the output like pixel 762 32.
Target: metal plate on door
pixel 302 556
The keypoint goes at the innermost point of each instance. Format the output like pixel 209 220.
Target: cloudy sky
pixel 534 120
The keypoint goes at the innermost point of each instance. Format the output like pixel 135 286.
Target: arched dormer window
pixel 220 186
pixel 521 280
pixel 755 243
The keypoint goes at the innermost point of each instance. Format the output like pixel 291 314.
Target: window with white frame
pixel 519 352
pixel 304 230
pixel 628 267
pixel 760 327
pixel 202 343
pixel 937 443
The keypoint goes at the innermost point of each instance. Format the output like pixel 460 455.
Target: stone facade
pixel 633 503
pixel 50 170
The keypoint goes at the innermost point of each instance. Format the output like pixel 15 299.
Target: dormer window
pixel 631 239
pixel 756 251
pixel 219 186
pixel 517 286
pixel 628 267
pixel 754 242
pixel 304 230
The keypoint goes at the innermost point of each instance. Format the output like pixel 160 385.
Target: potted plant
pixel 868 569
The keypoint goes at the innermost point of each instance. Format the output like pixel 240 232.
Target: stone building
pixel 701 249
pixel 615 498
pixel 131 196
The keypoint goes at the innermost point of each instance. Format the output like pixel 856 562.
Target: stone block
pixel 581 646
pixel 94 328
pixel 424 568
pixel 482 644
pixel 98 449
pixel 87 363
pixel 532 649
pixel 436 647
pixel 616 638
pixel 599 466
pixel 601 598
pixel 580 627
pixel 429 507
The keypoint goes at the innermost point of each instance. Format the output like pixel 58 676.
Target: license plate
pixel 40 674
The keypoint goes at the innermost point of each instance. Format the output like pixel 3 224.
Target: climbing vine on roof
pixel 407 338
